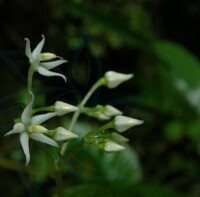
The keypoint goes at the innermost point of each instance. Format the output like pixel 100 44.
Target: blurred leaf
pixel 181 62
pixel 183 67
pixel 96 165
pixel 143 190
pixel 194 130
pixel 174 131
pixel 107 23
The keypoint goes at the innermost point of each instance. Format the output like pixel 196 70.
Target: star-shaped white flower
pixel 36 59
pixel 25 129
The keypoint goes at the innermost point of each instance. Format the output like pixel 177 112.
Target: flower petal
pixel 39 119
pixel 24 140
pixel 28 49
pixel 48 73
pixel 51 65
pixel 18 128
pixel 26 115
pixel 38 49
pixel 44 139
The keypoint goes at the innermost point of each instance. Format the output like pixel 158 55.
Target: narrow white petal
pixel 39 119
pixel 24 140
pixel 47 73
pixel 18 128
pixel 51 65
pixel 38 49
pixel 28 49
pixel 44 139
pixel 26 115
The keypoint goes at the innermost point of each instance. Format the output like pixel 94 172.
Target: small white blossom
pixel 28 130
pixel 36 59
pixel 111 146
pixel 123 123
pixel 63 108
pixel 63 134
pixel 113 79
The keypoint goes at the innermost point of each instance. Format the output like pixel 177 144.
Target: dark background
pixel 156 40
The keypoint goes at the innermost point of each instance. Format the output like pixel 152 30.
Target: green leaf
pixel 183 67
pixel 95 165
pixel 108 23
pixel 181 62
pixel 143 190
pixel 174 131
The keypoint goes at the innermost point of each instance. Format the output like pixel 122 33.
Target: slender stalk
pixel 82 104
pixel 103 128
pixel 30 78
pixel 59 183
pixel 54 163
pixel 49 108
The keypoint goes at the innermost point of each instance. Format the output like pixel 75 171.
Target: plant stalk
pixel 77 113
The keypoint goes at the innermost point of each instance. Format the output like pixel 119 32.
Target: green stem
pixel 82 104
pixel 49 108
pixel 59 183
pixel 58 173
pixel 30 77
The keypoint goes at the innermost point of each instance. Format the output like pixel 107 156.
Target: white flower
pixel 28 130
pixel 36 59
pixel 111 111
pixel 63 108
pixel 63 134
pixel 113 79
pixel 111 146
pixel 123 123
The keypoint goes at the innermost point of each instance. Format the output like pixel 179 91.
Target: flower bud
pixel 113 79
pixel 111 111
pixel 123 123
pixel 37 129
pixel 64 108
pixel 118 138
pixel 47 56
pixel 63 134
pixel 111 146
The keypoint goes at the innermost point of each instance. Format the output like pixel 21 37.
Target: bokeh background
pixel 156 40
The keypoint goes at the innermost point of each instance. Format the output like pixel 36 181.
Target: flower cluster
pixel 30 125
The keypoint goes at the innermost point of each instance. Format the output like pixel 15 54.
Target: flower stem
pixel 82 104
pixel 30 78
pixel 49 108
pixel 58 172
pixel 59 183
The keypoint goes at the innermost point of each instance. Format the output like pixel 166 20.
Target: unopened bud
pixel 47 56
pixel 37 129
pixel 111 146
pixel 64 108
pixel 63 134
pixel 123 123
pixel 113 79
